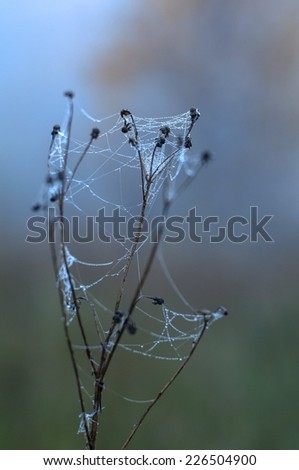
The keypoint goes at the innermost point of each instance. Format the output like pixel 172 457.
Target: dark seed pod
pixel 206 157
pixel 55 130
pixel 69 94
pixel 95 133
pixel 125 112
pixel 126 128
pixel 60 176
pixel 36 207
pixel 117 317
pixel 165 131
pixel 160 141
pixel 49 179
pixel 188 143
pixel 194 113
pixel 157 300
pixel 131 327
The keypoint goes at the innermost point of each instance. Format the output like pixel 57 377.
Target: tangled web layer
pixel 122 167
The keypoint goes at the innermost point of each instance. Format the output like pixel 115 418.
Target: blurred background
pixel 238 62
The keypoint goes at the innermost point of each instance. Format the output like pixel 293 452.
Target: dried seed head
pixel 117 317
pixel 222 310
pixel 36 207
pixel 55 130
pixel 206 157
pixel 126 128
pixel 194 113
pixel 157 300
pixel 49 179
pixel 69 94
pixel 165 131
pixel 54 197
pixel 188 143
pixel 60 176
pixel 160 141
pixel 125 112
pixel 131 327
pixel 95 133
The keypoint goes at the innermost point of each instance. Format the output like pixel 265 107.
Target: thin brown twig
pixel 70 281
pixel 61 301
pixel 68 339
pixel 131 255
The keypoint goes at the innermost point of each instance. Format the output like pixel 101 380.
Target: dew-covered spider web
pixel 105 177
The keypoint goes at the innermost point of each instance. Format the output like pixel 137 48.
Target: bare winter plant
pixel 158 168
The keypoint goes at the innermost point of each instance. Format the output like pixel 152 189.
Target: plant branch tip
pixel 95 133
pixel 69 94
pixel 156 300
pixel 125 112
pixel 117 317
pixel 206 157
pixel 55 130
pixel 131 327
pixel 194 113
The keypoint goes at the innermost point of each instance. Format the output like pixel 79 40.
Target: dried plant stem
pixel 69 342
pixel 78 164
pixel 56 272
pixel 131 255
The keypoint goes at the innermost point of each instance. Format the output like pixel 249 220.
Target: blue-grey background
pixel 238 62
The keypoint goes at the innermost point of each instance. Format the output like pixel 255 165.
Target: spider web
pixel 111 173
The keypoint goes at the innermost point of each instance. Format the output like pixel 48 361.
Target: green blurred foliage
pixel 239 391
